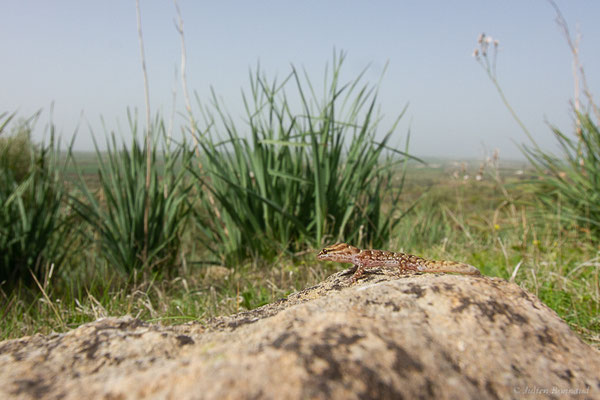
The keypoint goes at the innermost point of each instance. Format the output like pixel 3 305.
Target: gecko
pixel 362 259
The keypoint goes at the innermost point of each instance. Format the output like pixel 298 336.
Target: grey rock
pixel 389 336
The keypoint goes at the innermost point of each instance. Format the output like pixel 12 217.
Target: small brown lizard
pixel 345 253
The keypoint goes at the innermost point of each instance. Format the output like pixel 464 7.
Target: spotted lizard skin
pixel 362 259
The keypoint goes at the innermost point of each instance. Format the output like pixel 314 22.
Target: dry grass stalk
pixel 148 135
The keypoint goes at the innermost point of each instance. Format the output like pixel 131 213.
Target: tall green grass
pixel 34 227
pixel 115 212
pixel 569 184
pixel 306 169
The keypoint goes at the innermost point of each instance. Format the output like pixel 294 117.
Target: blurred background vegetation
pixel 184 231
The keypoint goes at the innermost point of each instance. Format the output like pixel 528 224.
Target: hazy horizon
pixel 84 58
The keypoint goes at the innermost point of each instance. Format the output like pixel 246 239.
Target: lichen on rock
pixel 389 336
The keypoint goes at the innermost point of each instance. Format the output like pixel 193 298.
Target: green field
pixel 490 221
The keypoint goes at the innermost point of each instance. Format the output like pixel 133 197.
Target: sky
pixel 83 58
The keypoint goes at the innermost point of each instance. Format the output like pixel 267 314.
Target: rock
pixel 389 336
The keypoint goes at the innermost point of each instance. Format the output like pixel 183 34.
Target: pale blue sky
pixel 84 57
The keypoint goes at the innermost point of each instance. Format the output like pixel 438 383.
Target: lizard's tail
pixel 449 266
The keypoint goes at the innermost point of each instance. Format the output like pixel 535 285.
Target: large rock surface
pixel 389 336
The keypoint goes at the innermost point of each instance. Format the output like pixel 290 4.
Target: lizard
pixel 362 259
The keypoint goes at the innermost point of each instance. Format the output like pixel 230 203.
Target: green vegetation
pixel 301 177
pixel 34 228
pixel 495 224
pixel 120 242
pixel 129 238
pixel 17 150
pixel 570 184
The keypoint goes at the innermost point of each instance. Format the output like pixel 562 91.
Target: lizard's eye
pixel 324 251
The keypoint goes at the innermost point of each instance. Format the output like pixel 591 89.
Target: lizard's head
pixel 340 252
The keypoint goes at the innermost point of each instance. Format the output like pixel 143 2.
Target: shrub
pixel 17 149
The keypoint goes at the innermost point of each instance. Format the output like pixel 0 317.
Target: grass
pixel 131 239
pixel 571 181
pixel 297 174
pixel 495 225
pixel 34 228
pixel 492 223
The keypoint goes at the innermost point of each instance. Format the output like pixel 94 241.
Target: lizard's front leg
pixel 360 269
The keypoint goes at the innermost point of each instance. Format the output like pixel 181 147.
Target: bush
pixel 17 150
